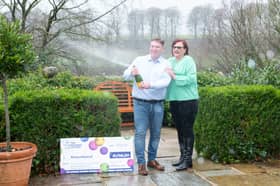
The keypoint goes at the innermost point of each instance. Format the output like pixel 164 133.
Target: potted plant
pixel 15 55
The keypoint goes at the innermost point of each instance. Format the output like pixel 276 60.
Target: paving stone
pixel 271 167
pixel 66 180
pixel 247 180
pixel 224 172
pixel 208 165
pixel 249 168
pixel 131 181
pixel 178 178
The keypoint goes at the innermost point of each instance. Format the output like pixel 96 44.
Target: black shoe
pixel 178 163
pixel 190 164
pixel 184 165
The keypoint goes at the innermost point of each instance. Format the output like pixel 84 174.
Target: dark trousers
pixel 183 115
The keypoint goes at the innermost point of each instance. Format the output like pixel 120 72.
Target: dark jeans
pixel 183 115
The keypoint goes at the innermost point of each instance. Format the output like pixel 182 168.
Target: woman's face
pixel 178 50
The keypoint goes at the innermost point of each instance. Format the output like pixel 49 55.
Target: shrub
pixel 206 78
pixel 43 117
pixel 269 74
pixel 167 119
pixel 238 123
pixel 36 81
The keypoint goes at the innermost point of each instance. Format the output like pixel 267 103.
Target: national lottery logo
pixel 120 155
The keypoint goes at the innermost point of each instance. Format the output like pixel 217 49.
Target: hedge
pixel 45 116
pixel 238 123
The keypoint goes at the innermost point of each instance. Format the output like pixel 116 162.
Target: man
pixel 148 100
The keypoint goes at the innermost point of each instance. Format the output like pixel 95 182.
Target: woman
pixel 183 96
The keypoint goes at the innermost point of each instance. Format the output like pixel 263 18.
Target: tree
pixel 219 19
pixel 206 19
pixel 154 21
pixel 194 20
pixel 136 24
pixel 114 22
pixel 20 9
pixel 61 19
pixel 16 54
pixel 246 32
pixel 200 20
pixel 171 20
pixel 273 22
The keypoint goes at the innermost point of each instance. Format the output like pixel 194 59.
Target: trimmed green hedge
pixel 44 116
pixel 238 123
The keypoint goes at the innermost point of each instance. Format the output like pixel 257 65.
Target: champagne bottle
pixel 138 78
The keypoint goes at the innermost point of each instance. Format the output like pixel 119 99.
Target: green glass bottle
pixel 138 79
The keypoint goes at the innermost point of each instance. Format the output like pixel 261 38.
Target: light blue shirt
pixel 152 72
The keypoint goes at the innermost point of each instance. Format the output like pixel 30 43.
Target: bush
pixel 206 78
pixel 36 81
pixel 43 117
pixel 238 123
pixel 269 74
pixel 167 117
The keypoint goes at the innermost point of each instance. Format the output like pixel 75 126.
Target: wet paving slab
pixel 247 180
pixel 203 173
pixel 168 177
pixel 251 174
pixel 224 172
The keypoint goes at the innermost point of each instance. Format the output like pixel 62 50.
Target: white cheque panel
pixel 96 155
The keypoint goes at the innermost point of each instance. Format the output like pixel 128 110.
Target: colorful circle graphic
pixel 104 150
pixel 99 141
pixel 62 171
pixel 130 162
pixel 92 145
pixel 84 139
pixel 104 167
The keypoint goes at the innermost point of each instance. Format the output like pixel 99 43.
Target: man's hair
pixel 158 40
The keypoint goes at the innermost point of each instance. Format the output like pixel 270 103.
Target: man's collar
pixel 155 61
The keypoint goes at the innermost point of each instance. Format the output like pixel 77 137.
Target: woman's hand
pixel 170 72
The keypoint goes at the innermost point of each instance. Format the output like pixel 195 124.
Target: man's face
pixel 156 49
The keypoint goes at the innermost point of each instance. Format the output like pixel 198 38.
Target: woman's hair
pixel 185 44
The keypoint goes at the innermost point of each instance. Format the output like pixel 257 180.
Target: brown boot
pixel 142 170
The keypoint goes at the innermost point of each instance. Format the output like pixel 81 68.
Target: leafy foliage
pixel 207 78
pixel 36 81
pixel 269 74
pixel 15 49
pixel 167 119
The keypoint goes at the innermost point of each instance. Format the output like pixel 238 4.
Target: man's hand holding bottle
pixel 138 78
